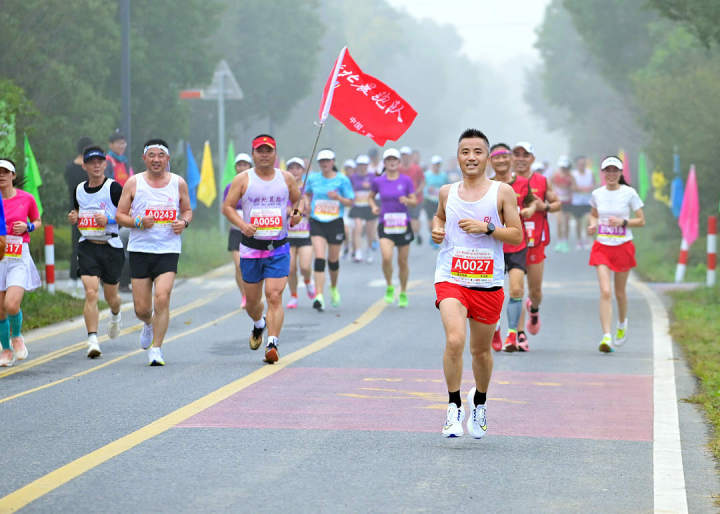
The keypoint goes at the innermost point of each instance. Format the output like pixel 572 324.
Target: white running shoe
pixel 7 358
pixel 155 357
pixel 311 292
pixel 93 349
pixel 146 336
pixel 114 327
pixel 620 337
pixel 453 421
pixel 477 422
pixel 369 259
pixel 19 348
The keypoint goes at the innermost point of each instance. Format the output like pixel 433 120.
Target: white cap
pixel 611 161
pixel 436 159
pixel 349 164
pixel 391 152
pixel 362 159
pixel 537 166
pixel 529 148
pixel 325 154
pixel 563 161
pixel 295 160
pixel 406 150
pixel 243 157
pixel 7 165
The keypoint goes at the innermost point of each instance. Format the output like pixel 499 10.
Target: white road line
pixel 668 475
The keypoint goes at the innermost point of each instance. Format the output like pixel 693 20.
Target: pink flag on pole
pixel 689 220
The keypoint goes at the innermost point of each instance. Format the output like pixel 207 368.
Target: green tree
pixel 701 17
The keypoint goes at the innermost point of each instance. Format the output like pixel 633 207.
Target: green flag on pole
pixel 32 175
pixel 229 172
pixel 643 177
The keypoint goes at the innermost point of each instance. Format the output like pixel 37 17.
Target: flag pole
pixel 312 156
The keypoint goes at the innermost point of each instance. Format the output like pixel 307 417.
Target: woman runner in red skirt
pixel 616 207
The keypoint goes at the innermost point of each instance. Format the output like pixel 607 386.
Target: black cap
pixel 93 152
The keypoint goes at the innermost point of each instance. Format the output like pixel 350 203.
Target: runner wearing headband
pixel 616 207
pixel 266 194
pixel 242 162
pixel 331 193
pixel 300 243
pixel 17 269
pixel 100 252
pixel 155 205
pixel 397 194
pixel 515 255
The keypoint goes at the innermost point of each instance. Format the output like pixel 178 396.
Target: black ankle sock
pixel 455 398
pixel 91 333
pixel 534 310
pixel 479 398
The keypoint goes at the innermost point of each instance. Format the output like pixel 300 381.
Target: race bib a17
pixel 472 267
pixel 268 220
pixel 13 247
pixel 395 222
pixel 530 233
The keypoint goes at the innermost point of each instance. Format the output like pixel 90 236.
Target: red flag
pixel 363 103
pixel 689 220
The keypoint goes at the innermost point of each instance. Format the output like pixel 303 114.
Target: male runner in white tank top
pixel 469 274
pixel 155 204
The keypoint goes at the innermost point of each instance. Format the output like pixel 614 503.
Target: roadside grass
pixel 657 246
pixel 696 325
pixel 203 249
pixel 41 308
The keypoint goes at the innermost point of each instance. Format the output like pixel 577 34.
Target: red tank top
pixel 537 229
pixel 521 187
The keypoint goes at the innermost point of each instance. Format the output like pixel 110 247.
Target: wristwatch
pixel 625 223
pixel 185 221
pixel 490 229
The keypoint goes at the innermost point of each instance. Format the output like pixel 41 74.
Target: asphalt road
pixel 349 419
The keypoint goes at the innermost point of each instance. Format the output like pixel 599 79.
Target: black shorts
pixel 234 239
pixel 297 242
pixel 414 212
pixel 332 231
pixel 362 212
pixel 398 239
pixel 152 265
pixel 516 260
pixel 430 209
pixel 577 211
pixel 100 260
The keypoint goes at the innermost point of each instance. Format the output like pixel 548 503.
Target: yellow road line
pixel 83 344
pixel 51 481
pixel 117 359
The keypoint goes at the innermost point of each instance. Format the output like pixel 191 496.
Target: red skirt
pixel 618 258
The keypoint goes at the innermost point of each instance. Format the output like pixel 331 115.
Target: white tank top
pixel 582 180
pixel 99 202
pixel 471 260
pixel 163 204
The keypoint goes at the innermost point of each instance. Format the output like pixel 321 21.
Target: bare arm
pixel 438 222
pixel 238 186
pixel 122 215
pixel 552 203
pixel 185 210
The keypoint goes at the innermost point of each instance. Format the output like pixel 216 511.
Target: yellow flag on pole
pixel 206 191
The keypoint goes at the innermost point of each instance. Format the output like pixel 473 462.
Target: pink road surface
pixel 561 405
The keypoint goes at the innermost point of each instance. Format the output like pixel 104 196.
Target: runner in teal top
pixel 331 193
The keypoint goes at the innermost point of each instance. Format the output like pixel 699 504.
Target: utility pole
pixel 125 75
pixel 224 86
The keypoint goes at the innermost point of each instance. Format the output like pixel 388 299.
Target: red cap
pixel 263 140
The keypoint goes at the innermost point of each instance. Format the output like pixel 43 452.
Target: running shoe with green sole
pixel 605 345
pixel 334 297
pixel 319 303
pixel 620 337
pixel 402 300
pixel 389 294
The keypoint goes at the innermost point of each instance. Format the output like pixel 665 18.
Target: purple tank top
pixel 264 205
